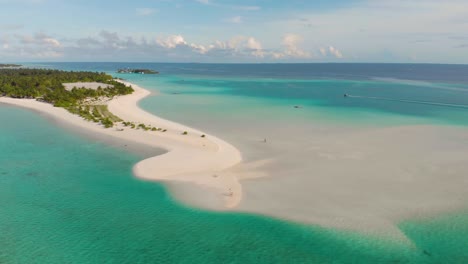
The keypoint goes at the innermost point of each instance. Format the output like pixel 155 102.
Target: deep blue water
pixel 348 71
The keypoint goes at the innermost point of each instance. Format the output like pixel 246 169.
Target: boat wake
pixel 408 101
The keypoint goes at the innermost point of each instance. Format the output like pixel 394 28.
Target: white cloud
pixel 111 46
pixel 51 42
pixel 235 42
pixel 172 41
pixel 252 43
pixel 291 44
pixel 323 51
pixel 39 39
pixel 199 48
pixel 255 46
pixel 335 52
pixel 145 11
pixel 331 51
pixel 37 46
pixel 385 30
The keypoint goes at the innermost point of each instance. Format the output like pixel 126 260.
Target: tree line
pixel 47 85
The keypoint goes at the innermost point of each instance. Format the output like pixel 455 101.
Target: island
pixel 81 93
pixel 9 65
pixel 102 106
pixel 138 71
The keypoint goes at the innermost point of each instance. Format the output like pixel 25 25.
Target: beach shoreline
pixel 189 158
pixel 350 178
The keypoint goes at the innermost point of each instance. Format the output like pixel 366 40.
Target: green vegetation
pixel 185 133
pixel 203 135
pixel 102 110
pixel 47 85
pixel 139 71
pixel 9 65
pixel 107 122
pixel 144 127
pixel 127 124
pixel 95 113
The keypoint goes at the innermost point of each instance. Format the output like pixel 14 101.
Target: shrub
pixel 107 122
pixel 185 133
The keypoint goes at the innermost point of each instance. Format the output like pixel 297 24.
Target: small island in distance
pixel 9 65
pixel 138 71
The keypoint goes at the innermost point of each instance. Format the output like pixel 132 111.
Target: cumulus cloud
pixel 239 45
pixel 40 39
pixel 24 46
pixel 172 41
pixel 110 46
pixel 255 46
pixel 291 44
pixel 370 29
pixel 331 52
pixel 335 52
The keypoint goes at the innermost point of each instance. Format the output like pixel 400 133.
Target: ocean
pixel 66 198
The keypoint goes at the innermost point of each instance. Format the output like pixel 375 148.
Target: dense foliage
pixel 140 71
pixel 48 85
pixel 9 65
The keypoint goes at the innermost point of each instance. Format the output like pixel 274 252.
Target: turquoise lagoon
pixel 68 199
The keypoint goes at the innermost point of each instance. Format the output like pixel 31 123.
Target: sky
pixel 262 31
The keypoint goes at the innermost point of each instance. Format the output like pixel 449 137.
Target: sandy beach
pixel 189 158
pixel 349 177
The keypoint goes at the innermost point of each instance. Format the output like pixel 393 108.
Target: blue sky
pixel 235 31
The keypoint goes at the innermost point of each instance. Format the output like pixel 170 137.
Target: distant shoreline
pixel 9 66
pixel 190 158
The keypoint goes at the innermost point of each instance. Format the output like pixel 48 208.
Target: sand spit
pixel 190 158
pixel 366 179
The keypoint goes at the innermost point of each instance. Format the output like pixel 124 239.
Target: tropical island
pixel 9 65
pixel 137 71
pixel 81 93
pixel 94 102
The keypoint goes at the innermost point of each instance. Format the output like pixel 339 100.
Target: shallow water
pixel 67 199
